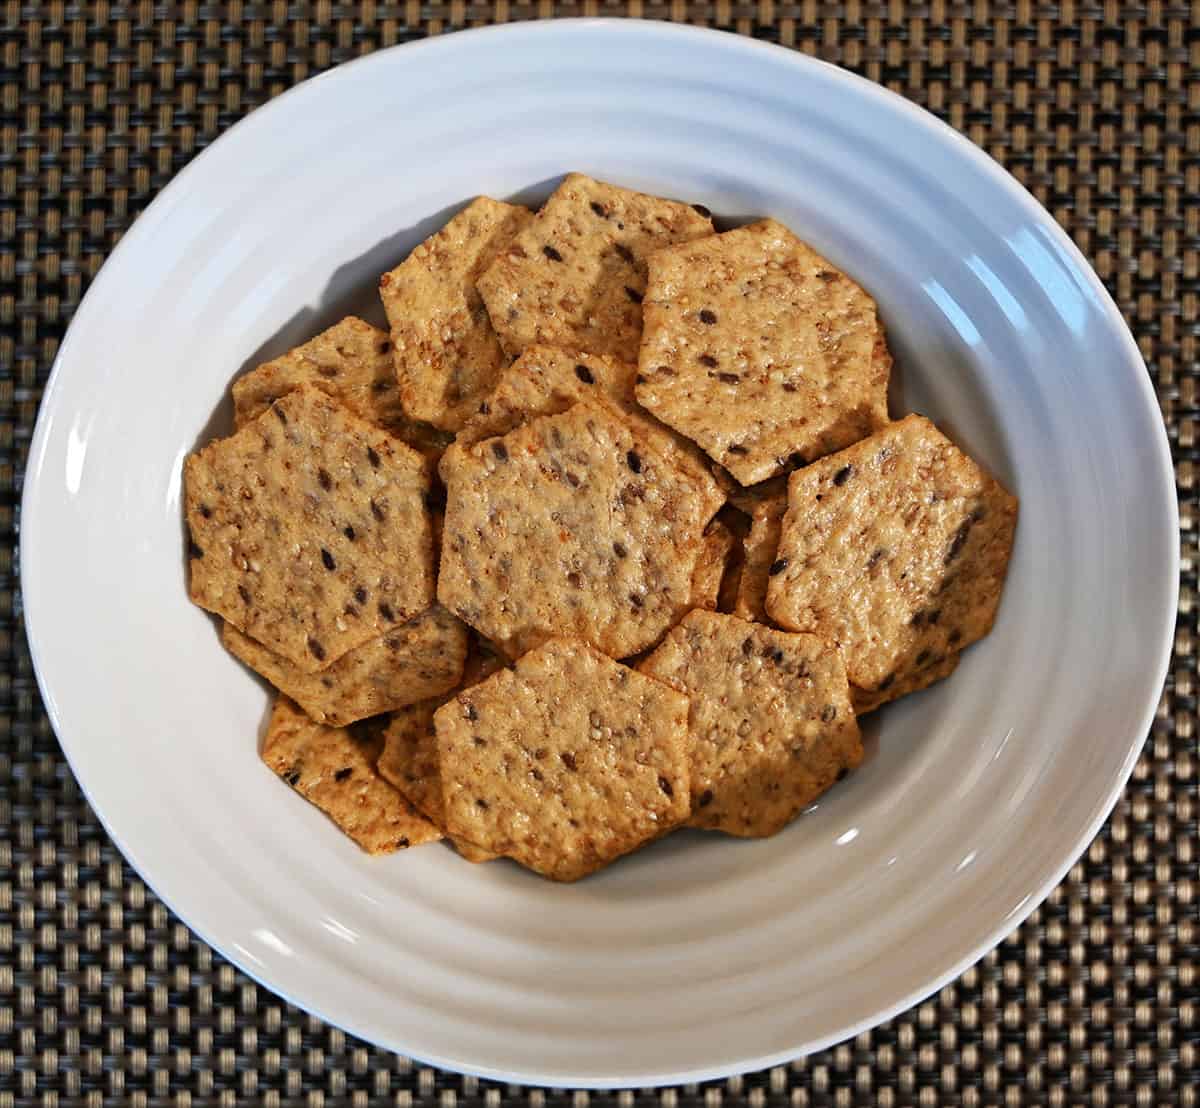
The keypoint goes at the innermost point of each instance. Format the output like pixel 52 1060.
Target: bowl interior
pixel 701 956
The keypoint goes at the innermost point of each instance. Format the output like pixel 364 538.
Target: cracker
pixel 446 354
pixel 547 380
pixel 576 275
pixel 565 762
pixel 896 549
pixel 350 363
pixel 417 660
pixel 709 572
pixel 409 759
pixel 309 530
pixel 761 545
pixel 572 524
pixel 759 350
pixel 334 769
pixel 865 701
pixel 770 726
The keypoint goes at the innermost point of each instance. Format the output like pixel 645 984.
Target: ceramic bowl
pixel 703 955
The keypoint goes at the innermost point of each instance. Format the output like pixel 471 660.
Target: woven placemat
pixel 106 998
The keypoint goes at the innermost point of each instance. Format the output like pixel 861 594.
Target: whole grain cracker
pixel 447 355
pixel 334 769
pixel 547 380
pixel 573 523
pixel 715 552
pixel 896 549
pixel 419 659
pixel 309 529
pixel 409 759
pixel 865 701
pixel 770 725
pixel 576 275
pixel 760 350
pixel 565 762
pixel 761 546
pixel 351 363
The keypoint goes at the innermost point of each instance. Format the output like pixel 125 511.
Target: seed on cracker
pixel 758 349
pixel 709 572
pixel 576 275
pixel 761 547
pixel 547 380
pixel 572 524
pixel 334 769
pixel 309 530
pixel 447 355
pixel 565 762
pixel 419 659
pixel 770 725
pixel 350 363
pixel 896 549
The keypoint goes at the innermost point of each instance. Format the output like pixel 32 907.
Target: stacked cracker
pixel 682 545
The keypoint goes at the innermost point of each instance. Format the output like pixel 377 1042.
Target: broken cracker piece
pixel 351 363
pixel 715 552
pixel 419 659
pixel 761 546
pixel 770 726
pixel 447 355
pixel 576 275
pixel 334 769
pixel 565 762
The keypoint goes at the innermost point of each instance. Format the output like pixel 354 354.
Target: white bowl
pixel 702 956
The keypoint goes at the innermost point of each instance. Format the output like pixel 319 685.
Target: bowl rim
pixel 1156 668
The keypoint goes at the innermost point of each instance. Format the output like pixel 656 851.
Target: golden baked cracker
pixel 709 572
pixel 770 724
pixel 351 363
pixel 446 354
pixel 419 659
pixel 761 546
pixel 565 762
pixel 409 759
pixel 309 529
pixel 865 701
pixel 572 524
pixel 575 276
pixel 758 349
pixel 334 769
pixel 547 380
pixel 896 549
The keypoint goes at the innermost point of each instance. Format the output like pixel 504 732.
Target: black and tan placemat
pixel 106 998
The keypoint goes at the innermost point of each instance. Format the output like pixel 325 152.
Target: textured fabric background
pixel 106 998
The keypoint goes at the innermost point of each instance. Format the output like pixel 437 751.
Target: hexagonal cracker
pixel 572 524
pixel 896 549
pixel 761 351
pixel 309 529
pixel 770 724
pixel 565 762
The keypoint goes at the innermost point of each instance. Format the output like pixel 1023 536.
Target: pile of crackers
pixel 610 535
